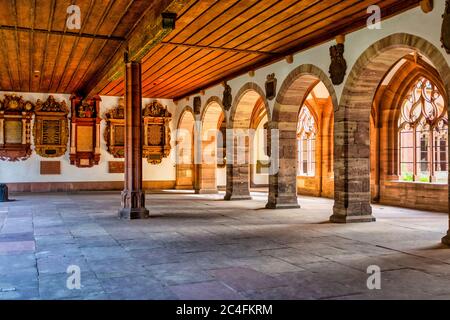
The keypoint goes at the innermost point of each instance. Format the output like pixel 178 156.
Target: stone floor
pixel 199 247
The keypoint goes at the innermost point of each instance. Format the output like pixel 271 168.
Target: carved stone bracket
pixel 227 100
pixel 271 87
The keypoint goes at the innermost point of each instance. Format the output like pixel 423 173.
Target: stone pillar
pixel 238 166
pixel 133 197
pixel 283 177
pixel 351 167
pixel 446 239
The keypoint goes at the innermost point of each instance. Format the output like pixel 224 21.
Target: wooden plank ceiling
pixel 214 40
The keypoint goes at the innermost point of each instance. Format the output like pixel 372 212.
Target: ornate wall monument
pixel 15 128
pixel 338 67
pixel 51 130
pixel 85 132
pixel 115 130
pixel 445 34
pixel 156 132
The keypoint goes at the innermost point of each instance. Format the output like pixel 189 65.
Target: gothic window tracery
pixel 423 134
pixel 306 137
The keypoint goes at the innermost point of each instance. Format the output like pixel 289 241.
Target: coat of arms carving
pixel 338 67
pixel 271 87
pixel 227 100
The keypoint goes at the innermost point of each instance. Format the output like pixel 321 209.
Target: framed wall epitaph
pixel 115 130
pixel 156 141
pixel 51 130
pixel 156 132
pixel 85 132
pixel 15 128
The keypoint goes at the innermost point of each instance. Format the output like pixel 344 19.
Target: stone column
pixel 133 197
pixel 283 177
pixel 238 166
pixel 351 167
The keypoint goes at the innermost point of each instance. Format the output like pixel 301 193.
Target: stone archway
pixel 212 116
pixel 290 98
pixel 352 121
pixel 185 170
pixel 239 138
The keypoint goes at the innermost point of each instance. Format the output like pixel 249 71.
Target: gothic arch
pixel 352 120
pixel 290 99
pixel 243 97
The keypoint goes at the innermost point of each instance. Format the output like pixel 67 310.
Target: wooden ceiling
pixel 214 40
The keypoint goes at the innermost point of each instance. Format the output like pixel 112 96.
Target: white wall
pixel 29 170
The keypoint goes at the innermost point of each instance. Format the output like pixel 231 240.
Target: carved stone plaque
pixel 116 167
pixel 445 33
pixel 50 167
pixel 115 130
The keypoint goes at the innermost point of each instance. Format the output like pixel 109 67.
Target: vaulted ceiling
pixel 214 40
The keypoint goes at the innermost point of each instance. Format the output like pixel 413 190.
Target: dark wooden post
pixel 133 197
pixel 4 193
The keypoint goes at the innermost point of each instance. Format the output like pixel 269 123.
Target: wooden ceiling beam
pixel 62 33
pixel 148 33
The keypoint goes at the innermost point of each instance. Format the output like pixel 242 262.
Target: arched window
pixel 423 134
pixel 306 136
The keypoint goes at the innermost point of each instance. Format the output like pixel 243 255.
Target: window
pixel 306 136
pixel 423 135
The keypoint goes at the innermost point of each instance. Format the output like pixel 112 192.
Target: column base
pixel 271 205
pixel 446 239
pixel 133 213
pixel 352 219
pixel 232 197
pixel 207 191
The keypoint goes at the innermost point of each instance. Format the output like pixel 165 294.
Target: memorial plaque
pixel 13 131
pixel 85 132
pixel 116 167
pixel 155 135
pixel 50 167
pixel 119 137
pixel 15 128
pixel 51 132
pixel 85 139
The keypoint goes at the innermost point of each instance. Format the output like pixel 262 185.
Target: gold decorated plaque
pixel 13 131
pixel 155 135
pixel 119 137
pixel 51 132
pixel 85 139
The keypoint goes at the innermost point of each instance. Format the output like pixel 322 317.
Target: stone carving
pixel 15 128
pixel 85 132
pixel 338 67
pixel 51 131
pixel 445 33
pixel 157 138
pixel 227 100
pixel 271 87
pixel 197 105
